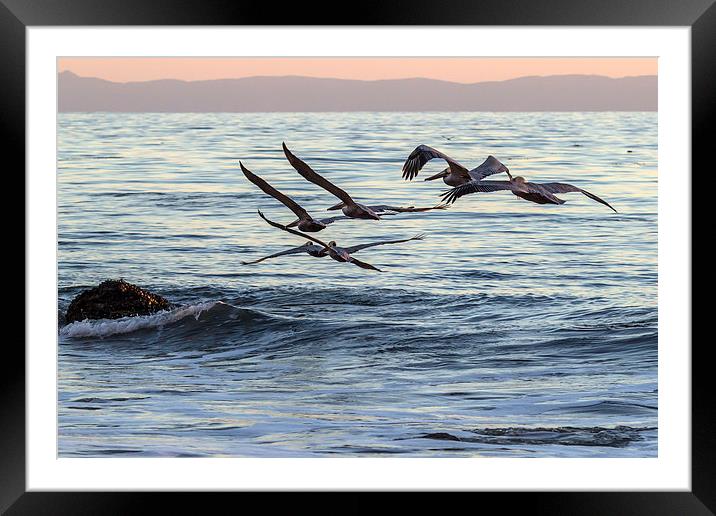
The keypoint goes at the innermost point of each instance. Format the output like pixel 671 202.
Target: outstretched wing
pixel 331 220
pixel 408 209
pixel 295 250
pixel 289 230
pixel 566 188
pixel 476 186
pixel 422 154
pixel 267 188
pixel 363 265
pixel 490 166
pixel 309 174
pixel 355 248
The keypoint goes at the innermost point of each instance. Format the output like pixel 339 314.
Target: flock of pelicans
pixel 462 180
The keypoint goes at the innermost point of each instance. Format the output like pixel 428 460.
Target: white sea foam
pixel 105 327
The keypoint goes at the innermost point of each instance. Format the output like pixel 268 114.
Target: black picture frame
pixel 17 15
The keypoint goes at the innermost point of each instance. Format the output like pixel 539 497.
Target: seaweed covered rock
pixel 113 299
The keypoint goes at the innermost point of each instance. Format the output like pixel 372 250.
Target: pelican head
pixel 332 243
pixel 518 179
pixel 443 173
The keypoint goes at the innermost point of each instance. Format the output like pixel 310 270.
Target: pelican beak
pixel 439 175
pixel 338 206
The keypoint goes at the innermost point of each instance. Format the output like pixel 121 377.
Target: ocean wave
pixel 606 407
pixel 390 320
pixel 107 327
pixel 616 437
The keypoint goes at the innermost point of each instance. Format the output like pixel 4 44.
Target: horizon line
pixel 355 80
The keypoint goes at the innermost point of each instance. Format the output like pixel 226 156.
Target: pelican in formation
pixel 540 193
pixel 348 206
pixel 319 251
pixel 455 174
pixel 472 181
pixel 339 254
pixel 305 222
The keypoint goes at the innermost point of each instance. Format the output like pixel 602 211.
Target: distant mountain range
pixel 291 93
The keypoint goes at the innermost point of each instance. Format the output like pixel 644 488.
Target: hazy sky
pixel 461 69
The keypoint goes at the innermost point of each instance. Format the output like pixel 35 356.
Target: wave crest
pixel 106 327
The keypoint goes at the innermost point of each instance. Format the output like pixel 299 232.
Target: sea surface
pixel 513 330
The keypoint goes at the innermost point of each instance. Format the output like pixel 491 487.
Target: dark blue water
pixel 513 329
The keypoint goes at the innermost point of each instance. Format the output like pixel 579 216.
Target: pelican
pixel 337 253
pixel 455 174
pixel 540 193
pixel 305 222
pixel 349 207
pixel 319 251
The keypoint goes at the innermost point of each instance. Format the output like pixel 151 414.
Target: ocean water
pixel 514 329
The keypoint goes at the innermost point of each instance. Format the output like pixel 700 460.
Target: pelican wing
pixel 407 209
pixel 566 188
pixel 267 188
pixel 289 230
pixel 331 220
pixel 490 166
pixel 476 186
pixel 356 248
pixel 309 174
pixel 295 250
pixel 422 154
pixel 363 265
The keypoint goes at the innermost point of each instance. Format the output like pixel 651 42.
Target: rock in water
pixel 113 299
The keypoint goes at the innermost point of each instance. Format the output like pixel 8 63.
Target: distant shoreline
pixel 292 94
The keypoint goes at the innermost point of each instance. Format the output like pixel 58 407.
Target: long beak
pixel 439 175
pixel 338 206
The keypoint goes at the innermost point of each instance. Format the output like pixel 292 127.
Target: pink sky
pixel 460 69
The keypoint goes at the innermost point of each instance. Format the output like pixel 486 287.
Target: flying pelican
pixel 349 207
pixel 541 193
pixel 337 253
pixel 455 174
pixel 319 251
pixel 305 222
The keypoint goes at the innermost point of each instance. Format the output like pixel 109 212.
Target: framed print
pixel 434 254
